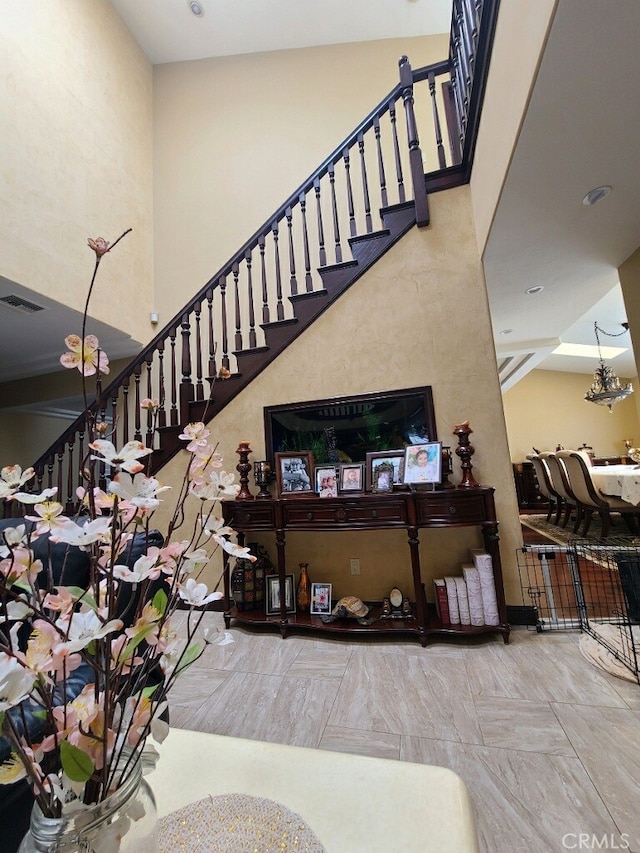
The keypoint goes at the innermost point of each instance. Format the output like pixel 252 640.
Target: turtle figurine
pixel 349 607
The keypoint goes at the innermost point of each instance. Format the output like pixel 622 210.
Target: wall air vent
pixel 20 304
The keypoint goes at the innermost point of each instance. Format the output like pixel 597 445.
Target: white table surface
pixel 621 481
pixel 351 802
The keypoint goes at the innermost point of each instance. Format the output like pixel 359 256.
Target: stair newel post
pixel 263 276
pixel 235 270
pixel 415 155
pixel 225 334
pixel 252 314
pixel 365 184
pixel 197 310
pixel 322 254
pixel 396 151
pixel 276 260
pixel 305 243
pixel 293 281
pixel 186 385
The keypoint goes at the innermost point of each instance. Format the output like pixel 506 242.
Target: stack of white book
pixel 469 599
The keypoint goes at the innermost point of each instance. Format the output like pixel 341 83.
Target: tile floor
pixel 547 744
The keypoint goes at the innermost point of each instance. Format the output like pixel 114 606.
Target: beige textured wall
pixel 629 274
pixel 76 149
pixel 419 317
pixel 235 136
pixel 514 63
pixel 548 408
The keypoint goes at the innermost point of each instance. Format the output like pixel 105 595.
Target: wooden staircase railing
pixel 367 193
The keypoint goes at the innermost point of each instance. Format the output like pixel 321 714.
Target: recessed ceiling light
pixel 531 291
pixel 506 331
pixel 595 195
pixel 196 8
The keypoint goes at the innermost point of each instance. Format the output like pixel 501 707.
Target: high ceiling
pixel 580 131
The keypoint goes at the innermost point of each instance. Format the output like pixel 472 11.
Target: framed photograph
pixel 423 463
pixel 351 477
pixel 273 595
pixel 320 599
pixel 326 481
pixel 293 473
pixel 382 480
pixel 395 458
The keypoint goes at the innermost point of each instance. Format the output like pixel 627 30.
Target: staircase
pixel 373 187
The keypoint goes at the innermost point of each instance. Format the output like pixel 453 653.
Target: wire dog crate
pixel 589 586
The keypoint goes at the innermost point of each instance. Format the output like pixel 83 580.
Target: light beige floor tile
pixel 320 660
pixel 524 802
pixel 607 742
pixel 195 686
pixel 384 693
pixel 521 724
pixel 377 744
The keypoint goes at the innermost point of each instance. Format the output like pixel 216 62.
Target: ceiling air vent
pixel 20 304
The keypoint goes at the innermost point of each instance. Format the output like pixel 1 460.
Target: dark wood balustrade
pixel 367 193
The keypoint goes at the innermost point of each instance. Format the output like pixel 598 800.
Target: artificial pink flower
pixel 12 478
pixel 100 246
pixel 126 459
pixel 87 356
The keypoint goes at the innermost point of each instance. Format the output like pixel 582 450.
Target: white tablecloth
pixel 352 803
pixel 620 481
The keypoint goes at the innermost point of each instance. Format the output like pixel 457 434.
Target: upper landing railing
pixel 420 138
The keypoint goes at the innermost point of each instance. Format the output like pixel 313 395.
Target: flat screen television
pixel 345 429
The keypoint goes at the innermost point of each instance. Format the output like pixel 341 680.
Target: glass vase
pixel 125 822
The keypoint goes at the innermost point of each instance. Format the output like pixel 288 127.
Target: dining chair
pixel 546 488
pixel 560 483
pixel 579 473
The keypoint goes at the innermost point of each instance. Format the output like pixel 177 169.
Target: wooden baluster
pixel 334 209
pixel 322 252
pixel 305 243
pixel 50 465
pixel 459 100
pixel 293 281
pixel 472 18
pixel 381 174
pixel 252 315
pixel 212 366
pixel 347 171
pixel 442 161
pixel 463 62
pixel 415 155
pixel 174 377
pixel 125 410
pixel 71 475
pixel 81 460
pixel 235 269
pixel 453 126
pixel 137 421
pixel 225 334
pixel 114 417
pixel 466 41
pixel 276 250
pixel 150 432
pixel 197 310
pixel 161 420
pixel 186 386
pixel 396 150
pixel 365 184
pixel 263 279
pixel 59 478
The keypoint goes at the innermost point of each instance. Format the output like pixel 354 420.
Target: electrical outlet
pixel 354 563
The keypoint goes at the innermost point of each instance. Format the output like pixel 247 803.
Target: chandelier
pixel 606 389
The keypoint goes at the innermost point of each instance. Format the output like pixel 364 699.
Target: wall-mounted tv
pixel 345 429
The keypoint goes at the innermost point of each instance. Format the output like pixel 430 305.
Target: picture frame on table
pixel 294 473
pixel 320 599
pixel 326 478
pixel 395 458
pixel 351 477
pixel 272 600
pixel 382 477
pixel 423 463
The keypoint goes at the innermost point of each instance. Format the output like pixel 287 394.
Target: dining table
pixel 620 481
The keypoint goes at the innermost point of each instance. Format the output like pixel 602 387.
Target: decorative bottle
pixel 303 596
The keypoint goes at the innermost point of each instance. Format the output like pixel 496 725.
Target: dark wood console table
pixel 410 511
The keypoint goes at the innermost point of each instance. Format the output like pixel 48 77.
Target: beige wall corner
pixel 418 317
pixel 76 93
pixel 548 408
pixel 629 274
pixel 514 65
